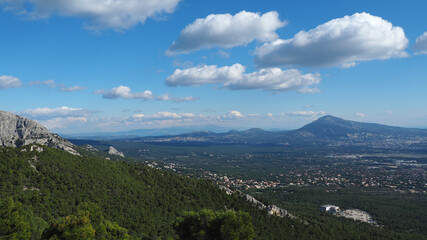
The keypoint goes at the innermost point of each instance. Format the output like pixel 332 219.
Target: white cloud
pixel 139 115
pixel 59 86
pixel 125 92
pixel 47 83
pixel 99 14
pixel 309 90
pixel 305 113
pixel 9 82
pixel 63 122
pixel 340 42
pixel 234 78
pixel 232 115
pixel 171 115
pixel 362 115
pixel 420 45
pixel 184 64
pixel 226 30
pixel 275 79
pixel 185 99
pixel 49 113
pixel 166 97
pixel 204 74
pixel 72 89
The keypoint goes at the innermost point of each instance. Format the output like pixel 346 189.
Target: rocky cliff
pixel 271 209
pixel 16 131
pixel 112 151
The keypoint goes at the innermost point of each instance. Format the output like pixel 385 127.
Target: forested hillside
pixel 146 201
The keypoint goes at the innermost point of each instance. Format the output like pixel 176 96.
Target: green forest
pixel 52 195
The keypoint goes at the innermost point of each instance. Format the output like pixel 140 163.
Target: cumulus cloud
pixel 305 113
pixel 232 115
pixel 9 82
pixel 125 92
pixel 340 42
pixel 201 75
pixel 60 112
pixel 275 79
pixel 234 78
pixel 226 30
pixel 362 115
pixel 98 14
pixel 420 45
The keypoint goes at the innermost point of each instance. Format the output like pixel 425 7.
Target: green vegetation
pixel 88 223
pixel 209 225
pixel 48 192
pixel 399 212
pixel 14 223
pixel 145 201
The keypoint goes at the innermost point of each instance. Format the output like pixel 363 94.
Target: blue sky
pixel 113 65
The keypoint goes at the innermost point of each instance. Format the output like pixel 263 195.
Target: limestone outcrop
pixel 112 151
pixel 16 131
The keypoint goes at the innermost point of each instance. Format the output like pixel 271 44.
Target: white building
pixel 330 208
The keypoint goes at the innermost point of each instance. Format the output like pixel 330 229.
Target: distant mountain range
pixel 325 131
pixel 143 132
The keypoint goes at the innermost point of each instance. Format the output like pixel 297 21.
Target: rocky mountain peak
pixel 112 151
pixel 17 131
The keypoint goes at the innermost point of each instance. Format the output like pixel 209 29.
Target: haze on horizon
pixel 107 66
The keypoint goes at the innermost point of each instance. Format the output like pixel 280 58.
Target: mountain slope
pixel 146 201
pixel 325 131
pixel 16 131
pixel 333 131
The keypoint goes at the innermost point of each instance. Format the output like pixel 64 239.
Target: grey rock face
pixel 112 151
pixel 17 131
pixel 272 210
pixel 90 148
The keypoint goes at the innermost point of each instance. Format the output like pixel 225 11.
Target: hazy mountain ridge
pixel 17 131
pixel 325 131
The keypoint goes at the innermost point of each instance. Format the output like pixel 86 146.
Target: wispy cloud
pixel 125 92
pixel 305 113
pixel 59 86
pixel 72 89
pixel 167 97
pixel 47 83
pixel 60 112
